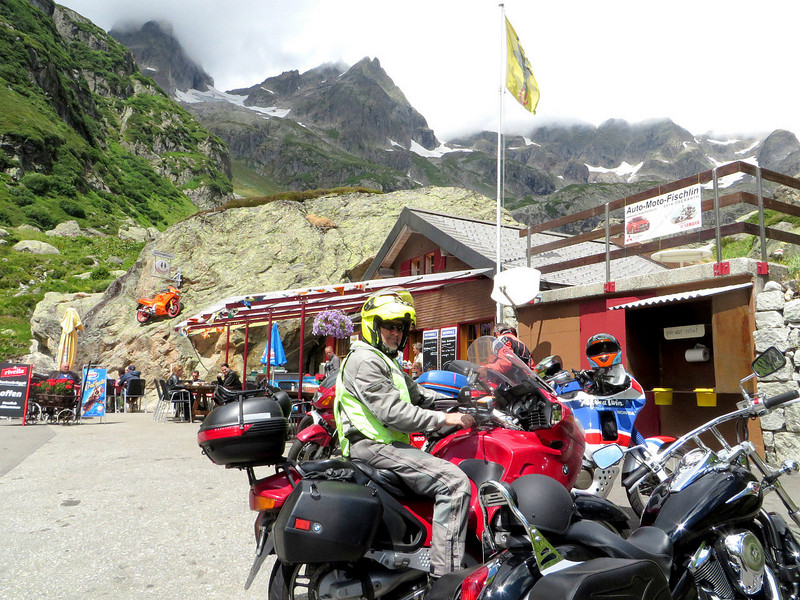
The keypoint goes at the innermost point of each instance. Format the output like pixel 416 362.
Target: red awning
pixel 261 308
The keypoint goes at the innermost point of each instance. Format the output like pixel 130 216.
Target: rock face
pixel 81 123
pixel 162 57
pixel 235 252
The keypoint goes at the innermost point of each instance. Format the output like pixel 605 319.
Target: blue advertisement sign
pixel 93 399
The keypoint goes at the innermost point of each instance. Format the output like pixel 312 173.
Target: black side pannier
pixel 327 521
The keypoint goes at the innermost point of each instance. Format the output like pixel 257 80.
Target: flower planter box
pixel 56 400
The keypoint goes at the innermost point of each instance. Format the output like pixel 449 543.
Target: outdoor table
pixel 202 398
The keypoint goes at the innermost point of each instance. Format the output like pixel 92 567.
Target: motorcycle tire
pixel 306 421
pixel 309 582
pixel 639 495
pixel 142 316
pixel 303 451
pixel 173 308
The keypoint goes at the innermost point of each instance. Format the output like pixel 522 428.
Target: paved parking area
pixel 129 509
pixel 123 509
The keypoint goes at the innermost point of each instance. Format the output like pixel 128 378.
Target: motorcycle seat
pixel 646 542
pixel 361 473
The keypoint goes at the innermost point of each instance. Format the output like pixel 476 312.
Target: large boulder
pixel 248 250
pixel 35 247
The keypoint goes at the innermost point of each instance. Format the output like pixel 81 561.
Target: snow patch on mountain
pixel 215 95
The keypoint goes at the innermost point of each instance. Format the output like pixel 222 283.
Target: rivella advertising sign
pixel 15 384
pixel 669 213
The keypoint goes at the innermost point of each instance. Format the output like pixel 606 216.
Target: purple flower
pixel 332 323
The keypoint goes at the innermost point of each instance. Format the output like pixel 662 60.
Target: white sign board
pixel 669 213
pixel 683 332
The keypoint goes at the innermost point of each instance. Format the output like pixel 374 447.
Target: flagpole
pixel 500 146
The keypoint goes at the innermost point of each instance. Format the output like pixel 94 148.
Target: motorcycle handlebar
pixel 635 476
pixel 781 398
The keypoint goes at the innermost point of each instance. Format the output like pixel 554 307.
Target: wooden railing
pixel 717 231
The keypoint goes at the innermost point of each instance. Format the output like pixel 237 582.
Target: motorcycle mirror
pixel 607 455
pixel 768 362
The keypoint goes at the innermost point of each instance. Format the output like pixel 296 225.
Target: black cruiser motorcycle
pixel 726 544
pixel 705 533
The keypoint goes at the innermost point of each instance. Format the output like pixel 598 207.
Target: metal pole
pixel 227 341
pixel 608 249
pixel 244 361
pixel 302 338
pixel 761 227
pixel 500 149
pixel 269 345
pixel 529 246
pixel 716 215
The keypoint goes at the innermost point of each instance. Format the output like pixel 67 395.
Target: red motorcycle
pixel 166 303
pixel 316 436
pixel 344 529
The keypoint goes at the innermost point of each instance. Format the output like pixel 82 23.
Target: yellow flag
pixel 519 74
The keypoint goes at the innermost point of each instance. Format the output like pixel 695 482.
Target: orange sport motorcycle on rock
pixel 166 303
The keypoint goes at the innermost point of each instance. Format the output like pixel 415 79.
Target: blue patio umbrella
pixel 277 354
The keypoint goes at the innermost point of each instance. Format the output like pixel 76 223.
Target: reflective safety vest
pixel 350 412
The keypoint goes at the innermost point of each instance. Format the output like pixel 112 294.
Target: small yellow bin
pixel 706 396
pixel 663 396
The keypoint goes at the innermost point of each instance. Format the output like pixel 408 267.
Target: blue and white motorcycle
pixel 606 402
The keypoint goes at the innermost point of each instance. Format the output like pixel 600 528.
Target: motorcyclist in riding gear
pixel 607 375
pixel 377 406
pixel 507 335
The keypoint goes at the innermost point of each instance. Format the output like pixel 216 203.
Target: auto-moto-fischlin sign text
pixel 669 213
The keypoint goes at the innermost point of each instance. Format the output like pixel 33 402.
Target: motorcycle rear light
pixel 473 585
pixel 303 524
pixel 222 432
pixel 261 503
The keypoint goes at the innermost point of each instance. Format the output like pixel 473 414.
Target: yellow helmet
pixel 387 305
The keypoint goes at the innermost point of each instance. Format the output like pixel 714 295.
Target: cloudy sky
pixel 723 66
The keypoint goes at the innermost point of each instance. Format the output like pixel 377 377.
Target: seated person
pixel 228 379
pixel 65 373
pixel 195 377
pixel 176 383
pixel 130 373
pixel 175 380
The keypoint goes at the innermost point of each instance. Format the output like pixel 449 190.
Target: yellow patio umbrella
pixel 68 344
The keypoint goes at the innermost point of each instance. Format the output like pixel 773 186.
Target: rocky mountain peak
pixel 161 56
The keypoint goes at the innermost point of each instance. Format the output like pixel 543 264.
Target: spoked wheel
pixel 66 417
pixel 639 495
pixel 173 308
pixel 34 413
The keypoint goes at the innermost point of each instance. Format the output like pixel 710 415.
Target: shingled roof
pixel 473 242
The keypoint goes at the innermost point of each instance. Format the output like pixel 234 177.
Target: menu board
pixel 15 383
pixel 430 350
pixel 447 345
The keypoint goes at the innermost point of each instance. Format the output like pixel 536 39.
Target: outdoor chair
pixel 177 398
pixel 111 396
pixel 133 395
pixel 160 412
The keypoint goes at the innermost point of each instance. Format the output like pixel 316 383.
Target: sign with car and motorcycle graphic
pixel 673 212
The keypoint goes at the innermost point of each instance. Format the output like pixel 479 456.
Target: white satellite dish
pixel 516 286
